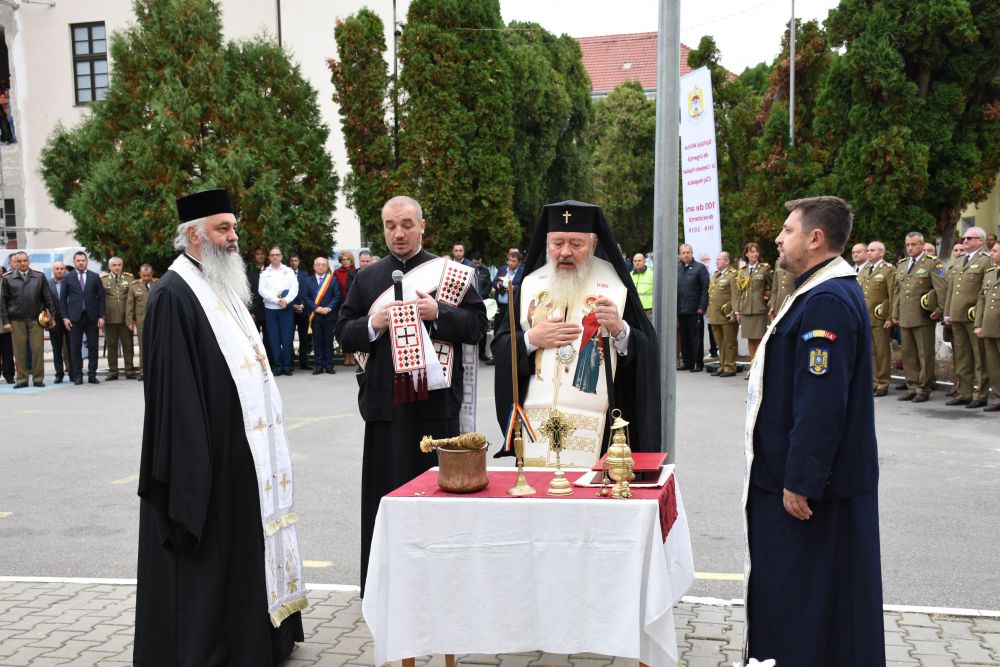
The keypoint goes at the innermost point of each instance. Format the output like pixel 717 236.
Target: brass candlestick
pixel 521 486
pixel 619 461
pixel 557 427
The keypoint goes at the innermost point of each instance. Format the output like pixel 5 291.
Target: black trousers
pixel 84 325
pixel 302 326
pixel 7 356
pixel 692 337
pixel 59 339
pixel 713 347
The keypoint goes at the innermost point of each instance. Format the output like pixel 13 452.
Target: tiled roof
pixel 611 60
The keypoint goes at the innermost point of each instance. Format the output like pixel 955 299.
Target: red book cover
pixel 644 462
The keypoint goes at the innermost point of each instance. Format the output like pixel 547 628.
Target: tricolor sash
pixel 319 297
pixel 449 281
pixel 261 408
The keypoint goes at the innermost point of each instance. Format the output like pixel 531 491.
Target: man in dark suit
pixel 815 579
pixel 321 298
pixel 82 310
pixel 301 314
pixel 58 335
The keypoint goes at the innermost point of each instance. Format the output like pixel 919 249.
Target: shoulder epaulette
pixel 903 261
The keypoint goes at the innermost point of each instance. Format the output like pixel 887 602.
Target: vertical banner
pixel 699 168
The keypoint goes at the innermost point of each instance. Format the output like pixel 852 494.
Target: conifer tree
pixel 184 112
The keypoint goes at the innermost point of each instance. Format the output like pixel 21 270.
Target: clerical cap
pixel 203 204
pixel 571 216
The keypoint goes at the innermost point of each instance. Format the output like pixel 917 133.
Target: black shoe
pixel 111 378
pixel 78 381
pixel 9 381
pixel 20 386
pixel 305 367
pixel 884 391
pixel 716 372
pixel 331 371
pixel 993 408
pixel 959 401
pixel 684 368
pixel 58 380
pixel 130 377
pixel 908 396
pixel 93 380
pixel 727 374
pixel 317 371
pixel 971 404
pixel 921 398
pixel 697 369
pixel 901 386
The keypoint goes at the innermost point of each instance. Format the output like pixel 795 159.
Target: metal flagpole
pixel 791 78
pixel 667 175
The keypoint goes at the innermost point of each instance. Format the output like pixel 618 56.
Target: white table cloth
pixel 506 575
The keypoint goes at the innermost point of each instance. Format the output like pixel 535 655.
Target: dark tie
pixel 967 260
pixel 910 267
pixel 83 281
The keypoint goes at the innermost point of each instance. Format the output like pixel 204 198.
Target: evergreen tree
pixel 914 102
pixel 569 174
pixel 456 127
pixel 185 112
pixel 623 137
pixel 361 82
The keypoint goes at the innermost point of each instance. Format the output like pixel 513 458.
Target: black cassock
pixel 201 597
pixel 392 453
pixel 636 385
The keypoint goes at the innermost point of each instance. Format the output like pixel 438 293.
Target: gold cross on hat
pixel 566 216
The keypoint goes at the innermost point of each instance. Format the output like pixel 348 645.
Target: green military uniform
pixel 953 268
pixel 782 286
pixel 919 291
pixel 988 320
pixel 115 331
pixel 963 292
pixel 135 312
pixel 722 294
pixel 754 293
pixel 878 282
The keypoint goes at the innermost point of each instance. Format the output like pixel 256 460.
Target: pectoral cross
pixel 261 359
pixel 556 427
pixel 566 216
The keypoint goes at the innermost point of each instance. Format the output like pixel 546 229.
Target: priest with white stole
pixel 578 315
pixel 220 571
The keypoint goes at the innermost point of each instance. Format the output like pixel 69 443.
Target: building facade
pixel 57 62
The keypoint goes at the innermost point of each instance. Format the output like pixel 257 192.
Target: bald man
pixel 859 255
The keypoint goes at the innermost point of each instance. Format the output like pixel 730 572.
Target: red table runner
pixel 426 486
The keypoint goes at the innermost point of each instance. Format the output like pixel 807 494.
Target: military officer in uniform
pixel 135 307
pixel 116 333
pixel 782 286
pixel 722 294
pixel 920 287
pixel 987 324
pixel 957 260
pixel 878 282
pixel 754 282
pixel 963 293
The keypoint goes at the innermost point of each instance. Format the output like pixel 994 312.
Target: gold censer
pixel 619 463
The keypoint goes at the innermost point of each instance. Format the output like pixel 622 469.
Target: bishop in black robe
pixel 201 596
pixel 392 454
pixel 636 381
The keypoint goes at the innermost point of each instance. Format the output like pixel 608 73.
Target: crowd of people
pixel 906 302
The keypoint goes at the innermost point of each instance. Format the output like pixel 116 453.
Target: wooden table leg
pixel 409 662
pixel 449 660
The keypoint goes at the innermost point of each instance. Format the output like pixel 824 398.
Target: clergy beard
pixel 225 271
pixel 565 286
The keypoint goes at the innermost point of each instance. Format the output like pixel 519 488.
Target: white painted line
pixel 5 515
pixel 338 588
pixel 719 576
pixel 712 602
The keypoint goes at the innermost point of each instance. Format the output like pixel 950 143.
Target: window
pixel 9 222
pixel 90 61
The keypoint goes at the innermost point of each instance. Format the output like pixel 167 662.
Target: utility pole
pixel 395 87
pixel 791 78
pixel 667 175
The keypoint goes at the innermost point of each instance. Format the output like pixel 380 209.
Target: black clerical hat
pixel 571 216
pixel 203 204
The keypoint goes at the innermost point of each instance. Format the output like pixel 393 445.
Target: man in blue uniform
pixel 814 576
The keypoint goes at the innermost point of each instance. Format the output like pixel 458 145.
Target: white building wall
pixel 42 86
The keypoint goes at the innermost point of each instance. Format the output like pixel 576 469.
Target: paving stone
pixel 589 662
pixel 517 660
pixel 551 660
pixel 88 659
pixel 704 648
pixel 956 628
pixel 896 639
pixel 921 633
pixel 930 648
pixel 478 659
pixel 54 639
pixel 984 624
pixel 69 650
pixel 28 655
pixel 913 618
pixel 934 660
pixel 899 654
pixel 40 631
pixel 704 630
pixel 969 650
pixel 348 645
pixel 699 661
pixel 989 639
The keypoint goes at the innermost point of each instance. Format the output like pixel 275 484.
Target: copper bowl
pixel 462 470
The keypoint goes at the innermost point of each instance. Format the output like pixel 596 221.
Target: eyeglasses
pixel 275 254
pixel 973 238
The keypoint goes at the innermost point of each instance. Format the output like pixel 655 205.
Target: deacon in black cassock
pixel 815 580
pixel 202 596
pixel 395 423
pixel 636 386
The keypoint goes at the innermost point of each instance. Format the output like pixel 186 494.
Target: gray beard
pixel 565 287
pixel 225 272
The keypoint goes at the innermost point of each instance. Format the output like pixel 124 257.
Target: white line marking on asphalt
pixel 4 515
pixel 345 588
pixel 307 421
pixel 126 480
pixel 719 576
pixel 317 563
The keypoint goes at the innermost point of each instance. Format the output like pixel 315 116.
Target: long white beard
pixel 565 286
pixel 225 272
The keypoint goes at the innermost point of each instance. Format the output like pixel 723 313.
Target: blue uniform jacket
pixel 815 432
pixel 332 298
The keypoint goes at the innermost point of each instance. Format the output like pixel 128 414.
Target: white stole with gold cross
pixel 838 268
pixel 260 404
